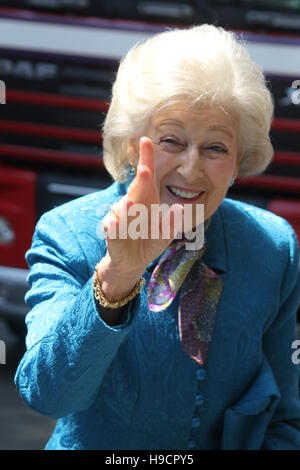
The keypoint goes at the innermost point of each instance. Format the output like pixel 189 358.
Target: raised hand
pixel 128 258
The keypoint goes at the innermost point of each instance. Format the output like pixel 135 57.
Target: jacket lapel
pixel 200 294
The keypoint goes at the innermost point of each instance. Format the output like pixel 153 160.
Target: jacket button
pixel 195 422
pixel 191 444
pixel 199 399
pixel 201 373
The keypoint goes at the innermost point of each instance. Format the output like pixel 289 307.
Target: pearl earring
pixel 232 182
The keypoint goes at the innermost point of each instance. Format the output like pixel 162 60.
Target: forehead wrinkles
pixel 185 116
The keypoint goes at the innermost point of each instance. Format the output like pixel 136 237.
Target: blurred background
pixel 58 60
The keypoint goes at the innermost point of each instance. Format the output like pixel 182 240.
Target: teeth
pixel 186 194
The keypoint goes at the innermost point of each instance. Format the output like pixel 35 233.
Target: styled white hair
pixel 202 64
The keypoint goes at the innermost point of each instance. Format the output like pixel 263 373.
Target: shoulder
pixel 261 240
pixel 83 214
pixel 256 224
pixel 73 231
pixel 87 206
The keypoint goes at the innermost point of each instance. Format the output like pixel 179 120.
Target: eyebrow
pixel 221 128
pixel 214 127
pixel 169 121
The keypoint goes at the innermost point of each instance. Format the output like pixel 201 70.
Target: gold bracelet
pixel 99 295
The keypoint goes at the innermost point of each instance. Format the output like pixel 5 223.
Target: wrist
pixel 115 283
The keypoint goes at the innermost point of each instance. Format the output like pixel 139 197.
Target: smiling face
pixel 196 152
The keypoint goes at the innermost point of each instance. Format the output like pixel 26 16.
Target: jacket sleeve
pixel 278 343
pixel 69 347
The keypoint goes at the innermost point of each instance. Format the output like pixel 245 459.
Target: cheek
pixel 217 182
pixel 163 166
pixel 220 179
pixel 220 176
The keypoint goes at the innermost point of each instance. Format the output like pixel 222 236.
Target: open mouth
pixel 181 195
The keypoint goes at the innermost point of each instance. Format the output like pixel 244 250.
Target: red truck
pixel 58 60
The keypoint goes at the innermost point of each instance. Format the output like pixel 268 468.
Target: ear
pixel 133 151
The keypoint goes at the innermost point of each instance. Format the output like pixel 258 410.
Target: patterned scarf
pixel 199 296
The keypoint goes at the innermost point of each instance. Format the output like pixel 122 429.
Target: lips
pixel 181 198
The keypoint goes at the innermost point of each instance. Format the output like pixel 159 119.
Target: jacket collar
pixel 215 255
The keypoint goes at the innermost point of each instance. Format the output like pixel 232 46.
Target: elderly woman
pixel 138 342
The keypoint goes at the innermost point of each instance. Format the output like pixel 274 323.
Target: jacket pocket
pixel 246 423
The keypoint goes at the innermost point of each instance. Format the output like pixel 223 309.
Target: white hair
pixel 203 64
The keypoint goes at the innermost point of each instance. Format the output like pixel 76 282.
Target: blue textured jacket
pixel 133 386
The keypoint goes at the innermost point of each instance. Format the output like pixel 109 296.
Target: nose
pixel 192 165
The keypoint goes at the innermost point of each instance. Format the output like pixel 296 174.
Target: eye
pixel 218 149
pixel 216 152
pixel 170 145
pixel 169 141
